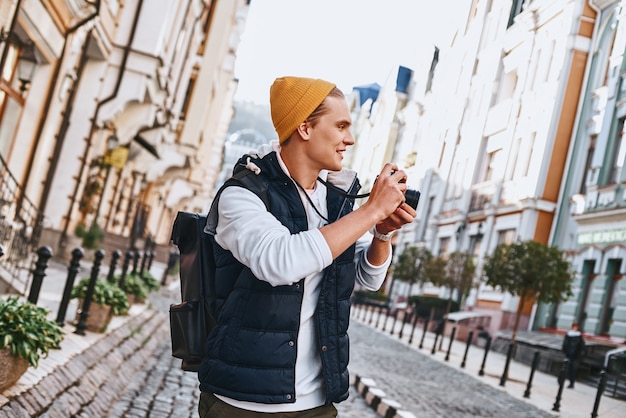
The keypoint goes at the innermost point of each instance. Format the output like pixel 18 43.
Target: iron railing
pixel 20 228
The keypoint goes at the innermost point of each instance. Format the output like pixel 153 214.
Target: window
pixel 506 236
pixel 190 86
pixel 524 156
pixel 616 154
pixel 490 165
pixel 431 72
pixel 588 161
pixel 11 101
pixel 516 8
pixel 444 246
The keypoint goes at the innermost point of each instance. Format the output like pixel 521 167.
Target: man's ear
pixel 303 131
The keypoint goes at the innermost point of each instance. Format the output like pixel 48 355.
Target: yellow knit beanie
pixel 293 99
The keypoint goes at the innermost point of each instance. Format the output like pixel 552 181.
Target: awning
pixel 146 145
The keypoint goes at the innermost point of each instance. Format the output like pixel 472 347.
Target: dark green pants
pixel 212 407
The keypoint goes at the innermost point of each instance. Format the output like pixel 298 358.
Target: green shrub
pixel 104 293
pixel 150 281
pixel 363 296
pixel 134 285
pixel 26 329
pixel 91 237
pixel 423 305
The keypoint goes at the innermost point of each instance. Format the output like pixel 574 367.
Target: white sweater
pixel 258 240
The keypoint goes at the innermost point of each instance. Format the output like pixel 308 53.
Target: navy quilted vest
pixel 252 349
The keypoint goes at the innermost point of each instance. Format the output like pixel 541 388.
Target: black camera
pixel 412 197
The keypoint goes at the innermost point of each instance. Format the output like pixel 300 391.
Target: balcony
pixel 482 196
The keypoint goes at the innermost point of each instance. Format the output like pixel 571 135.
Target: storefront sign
pixel 602 237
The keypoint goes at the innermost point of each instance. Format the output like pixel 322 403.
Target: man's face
pixel 331 135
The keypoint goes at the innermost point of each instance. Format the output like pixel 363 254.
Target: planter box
pixel 99 317
pixel 11 368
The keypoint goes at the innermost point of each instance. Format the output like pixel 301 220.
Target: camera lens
pixel 412 197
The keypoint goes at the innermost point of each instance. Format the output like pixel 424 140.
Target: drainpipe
pixel 59 142
pixel 94 120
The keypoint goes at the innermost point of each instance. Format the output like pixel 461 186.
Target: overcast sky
pixel 348 42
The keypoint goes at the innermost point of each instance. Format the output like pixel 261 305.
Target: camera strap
pixel 331 187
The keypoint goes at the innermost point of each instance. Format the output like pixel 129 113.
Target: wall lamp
pixel 27 61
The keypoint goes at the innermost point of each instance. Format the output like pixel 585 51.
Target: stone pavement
pixel 422 384
pixel 126 372
pixel 129 372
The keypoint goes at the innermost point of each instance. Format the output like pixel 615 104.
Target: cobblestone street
pixel 423 385
pixel 129 372
pixel 164 390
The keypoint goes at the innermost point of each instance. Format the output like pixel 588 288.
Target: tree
pixel 530 270
pixel 409 266
pixel 455 272
pixel 459 274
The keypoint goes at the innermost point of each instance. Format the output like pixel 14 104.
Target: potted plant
pixel 135 289
pixel 107 300
pixel 26 334
pixel 91 236
pixel 150 281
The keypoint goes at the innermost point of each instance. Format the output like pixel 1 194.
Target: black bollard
pixel 426 321
pixel 136 257
pixel 435 343
pixel 386 318
pixel 505 373
pixel 72 270
pixel 144 261
pixel 401 333
pixel 413 325
pixel 470 337
pixel 114 257
pixel 380 313
pixel 171 262
pixel 44 254
pixel 557 403
pixel 127 258
pixel 601 387
pixel 532 374
pixel 395 319
pixel 481 372
pixel 452 334
pixel 84 310
pixel 150 259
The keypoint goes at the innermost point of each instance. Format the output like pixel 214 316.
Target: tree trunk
pixel 445 319
pixel 517 315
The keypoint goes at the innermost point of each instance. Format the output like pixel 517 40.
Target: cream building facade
pixel 123 120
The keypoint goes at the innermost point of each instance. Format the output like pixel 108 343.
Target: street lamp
pixel 26 66
pixel 27 61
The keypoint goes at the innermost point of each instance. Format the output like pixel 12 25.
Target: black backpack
pixel 193 318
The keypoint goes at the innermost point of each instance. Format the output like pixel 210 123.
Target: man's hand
pixel 387 193
pixel 404 214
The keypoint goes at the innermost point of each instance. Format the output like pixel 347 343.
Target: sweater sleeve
pixel 258 240
pixel 367 275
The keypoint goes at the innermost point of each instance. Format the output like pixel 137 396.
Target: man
pixel 287 254
pixel 574 348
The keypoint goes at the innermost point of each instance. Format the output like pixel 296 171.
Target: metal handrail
pixel 20 226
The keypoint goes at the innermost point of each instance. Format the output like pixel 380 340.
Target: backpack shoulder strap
pixel 246 179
